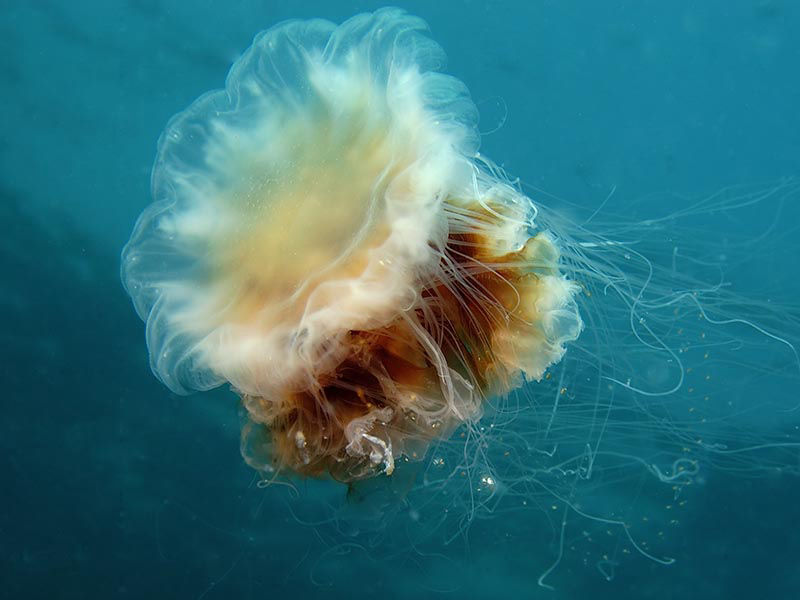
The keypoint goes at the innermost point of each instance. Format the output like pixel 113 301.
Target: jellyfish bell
pixel 325 238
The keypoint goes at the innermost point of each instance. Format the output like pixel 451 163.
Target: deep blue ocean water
pixel 115 488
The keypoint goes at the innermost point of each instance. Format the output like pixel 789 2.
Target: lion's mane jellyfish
pixel 396 313
pixel 326 239
pixel 391 308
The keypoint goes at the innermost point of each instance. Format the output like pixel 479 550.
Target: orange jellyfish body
pixel 326 239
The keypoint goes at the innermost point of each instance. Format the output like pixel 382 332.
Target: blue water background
pixel 114 488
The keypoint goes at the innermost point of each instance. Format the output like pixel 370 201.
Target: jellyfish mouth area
pixel 386 398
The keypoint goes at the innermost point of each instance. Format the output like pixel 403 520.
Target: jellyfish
pixel 326 238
